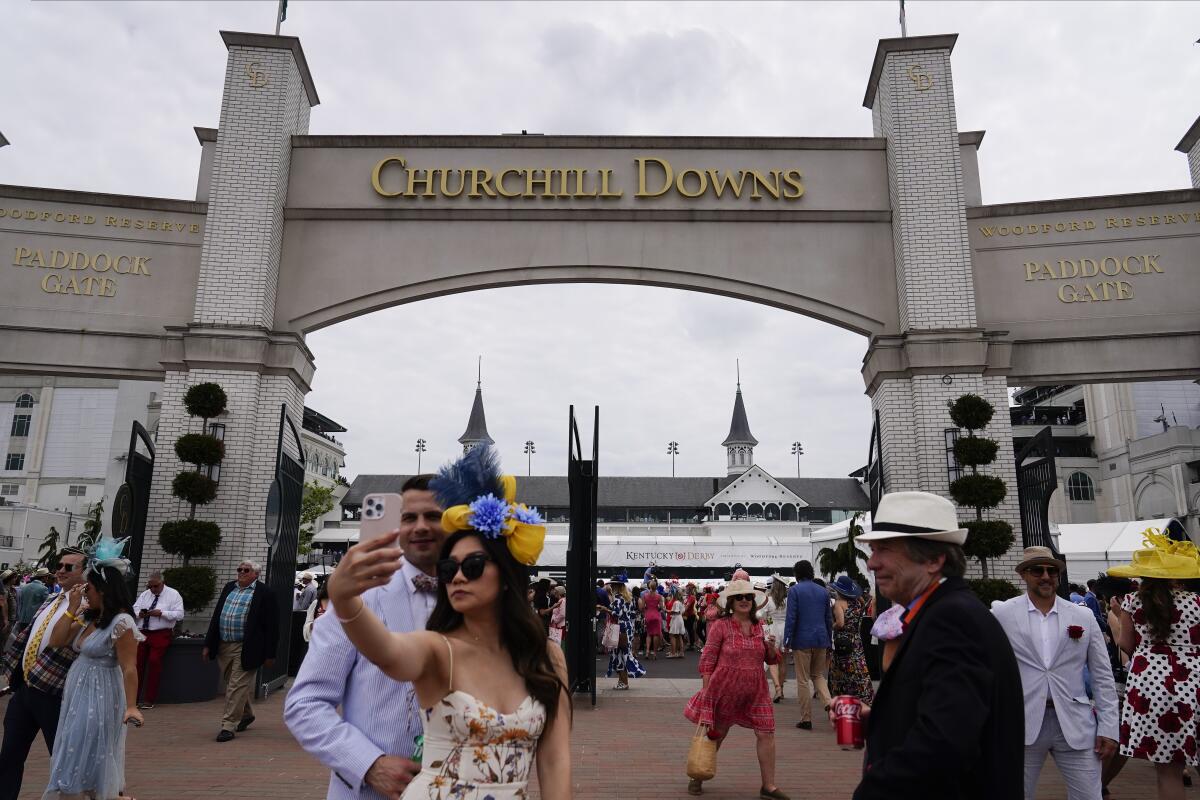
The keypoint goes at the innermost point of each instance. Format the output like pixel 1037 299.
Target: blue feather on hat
pixel 475 475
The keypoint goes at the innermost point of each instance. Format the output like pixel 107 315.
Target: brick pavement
pixel 632 745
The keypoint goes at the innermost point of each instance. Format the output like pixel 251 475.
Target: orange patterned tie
pixel 31 652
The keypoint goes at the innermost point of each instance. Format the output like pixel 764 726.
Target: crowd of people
pixel 438 622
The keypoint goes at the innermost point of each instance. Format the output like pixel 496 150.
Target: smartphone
pixel 380 515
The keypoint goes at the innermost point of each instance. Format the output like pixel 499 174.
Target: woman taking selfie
pixel 734 685
pixel 494 687
pixel 101 689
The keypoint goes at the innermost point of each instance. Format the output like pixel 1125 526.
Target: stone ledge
pixel 1190 138
pixel 99 199
pixel 237 39
pixel 205 134
pixel 585 215
pixel 943 41
pixel 241 349
pixel 1086 203
pixel 953 351
pixel 542 142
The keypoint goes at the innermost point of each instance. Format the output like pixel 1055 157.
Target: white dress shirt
pixel 1045 629
pixel 170 603
pixel 57 606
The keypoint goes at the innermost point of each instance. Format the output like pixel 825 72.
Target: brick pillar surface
pixel 911 97
pixel 267 96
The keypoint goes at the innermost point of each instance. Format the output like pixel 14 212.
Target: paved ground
pixel 632 745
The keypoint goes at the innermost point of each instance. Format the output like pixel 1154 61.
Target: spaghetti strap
pixel 451 650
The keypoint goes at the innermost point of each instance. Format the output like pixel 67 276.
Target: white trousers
pixel 1080 768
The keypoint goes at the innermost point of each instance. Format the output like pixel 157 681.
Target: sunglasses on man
pixel 244 569
pixel 1039 571
pixel 471 567
pixel 64 567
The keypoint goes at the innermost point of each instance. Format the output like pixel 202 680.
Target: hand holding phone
pixel 380 515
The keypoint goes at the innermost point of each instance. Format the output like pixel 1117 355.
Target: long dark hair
pixel 521 632
pixel 1159 605
pixel 114 593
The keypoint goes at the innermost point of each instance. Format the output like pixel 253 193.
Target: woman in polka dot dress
pixel 1160 626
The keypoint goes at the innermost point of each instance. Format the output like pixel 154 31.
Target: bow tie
pixel 424 583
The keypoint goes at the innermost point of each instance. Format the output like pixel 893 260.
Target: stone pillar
pixel 940 352
pixel 267 97
pixel 1190 144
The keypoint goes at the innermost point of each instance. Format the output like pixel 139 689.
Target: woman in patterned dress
pixel 621 660
pixel 1160 625
pixel 848 673
pixel 734 685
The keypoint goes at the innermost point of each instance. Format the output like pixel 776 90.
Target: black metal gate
pixel 582 482
pixel 132 501
pixel 283 535
pixel 875 480
pixel 1036 481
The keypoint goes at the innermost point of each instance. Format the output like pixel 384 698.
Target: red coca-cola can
pixel 847 714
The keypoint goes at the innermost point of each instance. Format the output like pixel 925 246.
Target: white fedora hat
pixel 918 514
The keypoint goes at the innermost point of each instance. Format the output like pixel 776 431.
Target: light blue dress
pixel 89 749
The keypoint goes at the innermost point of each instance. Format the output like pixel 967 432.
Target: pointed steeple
pixel 476 432
pixel 739 444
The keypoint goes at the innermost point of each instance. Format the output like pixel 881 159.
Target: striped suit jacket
pixel 379 716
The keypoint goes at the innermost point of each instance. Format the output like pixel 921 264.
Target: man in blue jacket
pixel 809 635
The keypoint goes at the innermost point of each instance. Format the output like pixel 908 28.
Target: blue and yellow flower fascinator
pixel 106 552
pixel 477 496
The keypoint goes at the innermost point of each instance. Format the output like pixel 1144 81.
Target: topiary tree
pixel 986 538
pixel 192 538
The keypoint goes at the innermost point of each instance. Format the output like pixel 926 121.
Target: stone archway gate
pixel 885 236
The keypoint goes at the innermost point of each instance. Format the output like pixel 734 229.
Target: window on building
pixel 20 425
pixel 9 489
pixel 25 401
pixel 216 430
pixel 1080 488
pixel 6 541
pixel 954 470
pixel 77 490
pixel 14 461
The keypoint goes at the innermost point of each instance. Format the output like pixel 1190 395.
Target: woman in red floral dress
pixel 1160 626
pixel 735 685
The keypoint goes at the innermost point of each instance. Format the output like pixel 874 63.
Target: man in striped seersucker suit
pixel 368 747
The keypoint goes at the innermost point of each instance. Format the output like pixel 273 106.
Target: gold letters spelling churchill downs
pixel 393 177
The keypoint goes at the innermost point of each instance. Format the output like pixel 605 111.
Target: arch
pixel 755 510
pixel 722 510
pixel 1154 497
pixel 771 512
pixel 738 511
pixel 1080 488
pixel 25 401
pixel 789 513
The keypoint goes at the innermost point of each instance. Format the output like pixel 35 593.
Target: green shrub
pixel 978 491
pixel 987 538
pixel 971 412
pixel 989 589
pixel 197 585
pixel 200 448
pixel 205 400
pixel 971 451
pixel 190 538
pixel 193 487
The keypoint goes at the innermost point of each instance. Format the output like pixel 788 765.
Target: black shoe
pixel 224 735
pixel 804 726
pixel 245 723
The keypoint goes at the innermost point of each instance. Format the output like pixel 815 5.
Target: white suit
pixel 1059 717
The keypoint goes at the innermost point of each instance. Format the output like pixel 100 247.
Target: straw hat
pixel 41 572
pixel 734 588
pixel 917 514
pixel 1161 557
pixel 1036 556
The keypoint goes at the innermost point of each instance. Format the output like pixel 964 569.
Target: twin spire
pixel 476 433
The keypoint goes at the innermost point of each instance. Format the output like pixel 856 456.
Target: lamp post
pixel 672 451
pixel 420 449
pixel 797 451
pixel 529 451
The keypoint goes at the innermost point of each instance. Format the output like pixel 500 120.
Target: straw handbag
pixel 702 756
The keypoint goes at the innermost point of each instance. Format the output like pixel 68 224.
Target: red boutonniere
pixel 1075 631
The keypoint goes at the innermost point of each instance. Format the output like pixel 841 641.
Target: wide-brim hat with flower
pixel 738 587
pixel 477 496
pixel 1161 557
pixel 915 514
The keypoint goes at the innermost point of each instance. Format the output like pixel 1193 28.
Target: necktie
pixel 31 652
pixel 424 583
pixel 153 603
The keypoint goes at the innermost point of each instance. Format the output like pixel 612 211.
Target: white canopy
pixel 1091 548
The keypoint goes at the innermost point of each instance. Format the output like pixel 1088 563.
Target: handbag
pixel 702 756
pixel 612 636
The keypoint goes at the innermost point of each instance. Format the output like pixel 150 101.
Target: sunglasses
pixel 736 597
pixel 1039 571
pixel 244 569
pixel 471 567
pixel 61 567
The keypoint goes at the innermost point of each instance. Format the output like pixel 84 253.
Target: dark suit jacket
pixel 262 627
pixel 949 718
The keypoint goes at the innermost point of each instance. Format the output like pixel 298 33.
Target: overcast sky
pixel 1077 99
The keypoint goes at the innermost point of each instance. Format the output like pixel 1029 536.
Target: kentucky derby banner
pixel 685 551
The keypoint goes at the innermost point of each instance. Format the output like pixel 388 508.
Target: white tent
pixel 1091 548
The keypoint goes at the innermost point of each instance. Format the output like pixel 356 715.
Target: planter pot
pixel 185 677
